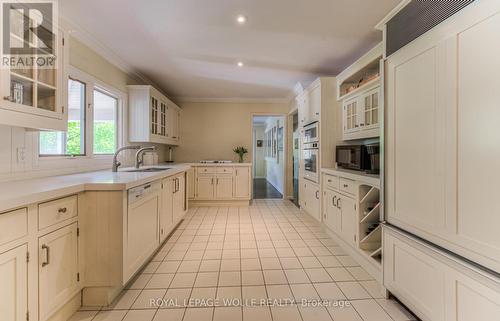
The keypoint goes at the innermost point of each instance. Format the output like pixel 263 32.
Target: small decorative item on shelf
pixel 17 90
pixel 241 151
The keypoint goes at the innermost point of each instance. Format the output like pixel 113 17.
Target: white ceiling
pixel 190 47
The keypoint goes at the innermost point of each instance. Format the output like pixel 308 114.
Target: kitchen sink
pixel 146 170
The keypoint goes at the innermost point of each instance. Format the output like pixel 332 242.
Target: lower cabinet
pixel 435 286
pixel 14 284
pixel 242 182
pixel 225 183
pixel 190 180
pixel 340 215
pixel 179 197
pixel 58 275
pixel 310 199
pixel 167 207
pixel 224 187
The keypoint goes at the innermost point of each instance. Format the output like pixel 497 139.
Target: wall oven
pixel 311 133
pixel 310 156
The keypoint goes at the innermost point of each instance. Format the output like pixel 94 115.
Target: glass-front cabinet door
pixel 350 115
pixel 31 73
pixel 371 108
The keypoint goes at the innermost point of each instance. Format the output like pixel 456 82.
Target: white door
pixel 347 206
pixel 205 188
pixel 13 280
pixel 166 211
pixel 57 269
pixel 142 232
pixel 224 187
pixel 242 182
pixel 332 213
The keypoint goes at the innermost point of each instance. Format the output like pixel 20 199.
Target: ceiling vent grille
pixel 417 18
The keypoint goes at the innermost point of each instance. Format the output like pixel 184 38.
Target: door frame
pixel 285 117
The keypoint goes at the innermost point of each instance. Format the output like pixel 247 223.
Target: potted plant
pixel 241 151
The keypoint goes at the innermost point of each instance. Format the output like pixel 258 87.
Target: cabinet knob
pixel 62 210
pixel 7 98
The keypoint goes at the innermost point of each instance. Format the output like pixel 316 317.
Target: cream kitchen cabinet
pixel 225 183
pixel 153 117
pixel 14 284
pixel 434 285
pixel 442 129
pixel 332 216
pixel 167 208
pixel 242 182
pixel 190 181
pixel 35 97
pixel 361 114
pixel 340 215
pixel 179 197
pixel 310 200
pixel 58 273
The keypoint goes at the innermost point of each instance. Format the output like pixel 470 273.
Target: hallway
pixel 262 189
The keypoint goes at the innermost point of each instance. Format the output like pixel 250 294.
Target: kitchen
pixel 127 175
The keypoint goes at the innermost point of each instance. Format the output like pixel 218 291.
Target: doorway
pixel 295 157
pixel 268 156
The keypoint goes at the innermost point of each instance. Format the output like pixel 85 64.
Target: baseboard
pixel 199 203
pixel 67 310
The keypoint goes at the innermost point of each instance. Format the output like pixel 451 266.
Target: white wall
pixel 275 167
pixel 259 166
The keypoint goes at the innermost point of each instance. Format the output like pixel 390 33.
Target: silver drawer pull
pixel 47 255
pixel 62 210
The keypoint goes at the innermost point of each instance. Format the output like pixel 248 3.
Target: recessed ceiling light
pixel 240 64
pixel 241 19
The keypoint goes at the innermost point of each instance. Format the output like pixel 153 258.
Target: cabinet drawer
pixel 332 182
pixel 224 170
pixel 205 170
pixel 56 211
pixel 13 225
pixel 347 185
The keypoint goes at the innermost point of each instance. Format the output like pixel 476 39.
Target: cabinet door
pixel 224 187
pixel 166 211
pixel 154 115
pixel 205 187
pixel 348 228
pixel 179 197
pixel 242 179
pixel 57 270
pixel 369 115
pixel 163 119
pixel 191 183
pixel 350 115
pixel 142 233
pixel 14 284
pixel 312 200
pixel 315 103
pixel 332 213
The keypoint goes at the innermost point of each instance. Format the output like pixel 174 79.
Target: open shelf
pixel 377 252
pixel 372 216
pixel 375 236
pixel 360 88
pixel 371 196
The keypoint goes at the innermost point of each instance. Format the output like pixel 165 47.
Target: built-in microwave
pixel 354 157
pixel 311 133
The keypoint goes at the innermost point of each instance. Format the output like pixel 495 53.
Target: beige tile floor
pixel 221 262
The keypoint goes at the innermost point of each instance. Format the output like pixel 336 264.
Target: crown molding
pixel 85 37
pixel 232 100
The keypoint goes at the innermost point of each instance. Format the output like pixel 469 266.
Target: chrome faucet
pixel 116 163
pixel 139 156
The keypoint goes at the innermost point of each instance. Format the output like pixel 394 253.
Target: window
pixel 71 142
pixel 94 121
pixel 105 122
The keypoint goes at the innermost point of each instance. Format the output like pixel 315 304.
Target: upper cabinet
pixel 32 76
pixel 442 134
pixel 153 118
pixel 359 90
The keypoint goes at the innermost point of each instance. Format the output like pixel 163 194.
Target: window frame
pixel 91 84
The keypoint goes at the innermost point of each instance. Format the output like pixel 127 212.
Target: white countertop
pixel 25 192
pixel 371 179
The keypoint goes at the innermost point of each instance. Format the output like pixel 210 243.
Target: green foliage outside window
pixel 104 137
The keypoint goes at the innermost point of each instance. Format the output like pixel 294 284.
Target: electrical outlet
pixel 21 155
